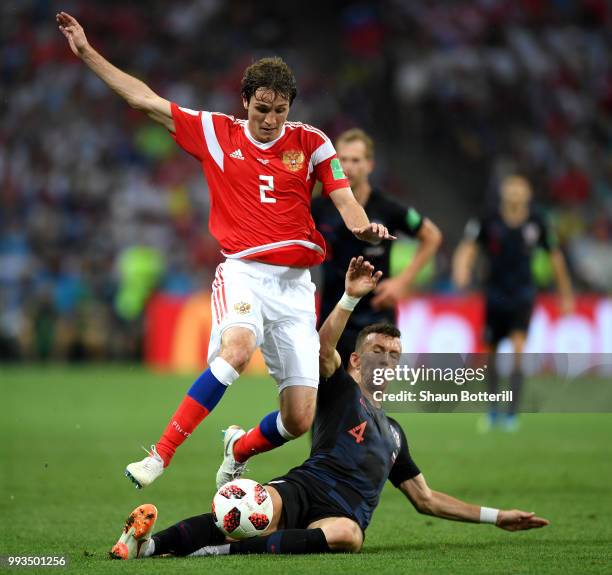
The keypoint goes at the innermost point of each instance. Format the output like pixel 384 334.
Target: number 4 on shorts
pixel 358 431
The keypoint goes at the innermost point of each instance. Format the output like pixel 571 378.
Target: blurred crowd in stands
pixel 99 208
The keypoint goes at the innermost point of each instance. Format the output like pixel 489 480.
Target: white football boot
pixel 145 472
pixel 230 468
pixel 136 533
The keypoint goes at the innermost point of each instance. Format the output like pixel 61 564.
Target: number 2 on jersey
pixel 266 186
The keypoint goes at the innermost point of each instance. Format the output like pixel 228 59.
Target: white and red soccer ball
pixel 242 508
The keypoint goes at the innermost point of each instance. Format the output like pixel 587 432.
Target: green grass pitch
pixel 68 432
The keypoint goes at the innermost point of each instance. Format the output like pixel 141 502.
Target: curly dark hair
pixel 271 73
pixel 381 327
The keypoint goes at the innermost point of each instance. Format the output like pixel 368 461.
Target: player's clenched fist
pixel 373 233
pixel 73 31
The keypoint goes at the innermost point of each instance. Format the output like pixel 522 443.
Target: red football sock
pixel 185 419
pixel 251 443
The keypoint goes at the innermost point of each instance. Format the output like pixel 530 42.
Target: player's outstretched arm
pixel 441 505
pixel 356 219
pixel 360 280
pixel 390 291
pixel 135 92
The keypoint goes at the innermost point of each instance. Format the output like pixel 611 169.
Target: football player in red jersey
pixel 260 174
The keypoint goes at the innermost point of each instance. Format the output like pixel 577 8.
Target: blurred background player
pixel 507 238
pixel 260 174
pixel 355 151
pixel 326 504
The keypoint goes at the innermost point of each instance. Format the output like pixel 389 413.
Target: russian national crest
pixel 242 307
pixel 293 160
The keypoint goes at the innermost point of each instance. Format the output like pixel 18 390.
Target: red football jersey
pixel 260 193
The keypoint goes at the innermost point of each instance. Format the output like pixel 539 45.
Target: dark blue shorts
pixel 305 500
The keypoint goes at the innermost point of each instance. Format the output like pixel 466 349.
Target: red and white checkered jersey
pixel 260 193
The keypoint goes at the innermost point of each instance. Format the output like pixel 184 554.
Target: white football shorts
pixel 277 303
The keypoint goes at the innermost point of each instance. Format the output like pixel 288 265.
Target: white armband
pixel 488 515
pixel 348 302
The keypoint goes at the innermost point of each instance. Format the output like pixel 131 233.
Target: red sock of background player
pixel 200 400
pixel 268 435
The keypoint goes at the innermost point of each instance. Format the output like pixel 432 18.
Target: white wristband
pixel 348 302
pixel 488 515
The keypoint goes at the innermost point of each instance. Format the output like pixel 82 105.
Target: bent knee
pixel 297 407
pixel 237 347
pixel 299 426
pixel 344 535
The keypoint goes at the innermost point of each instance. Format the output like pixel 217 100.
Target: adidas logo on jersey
pixel 237 155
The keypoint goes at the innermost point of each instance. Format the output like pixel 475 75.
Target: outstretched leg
pixel 186 536
pixel 332 534
pixel 237 347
